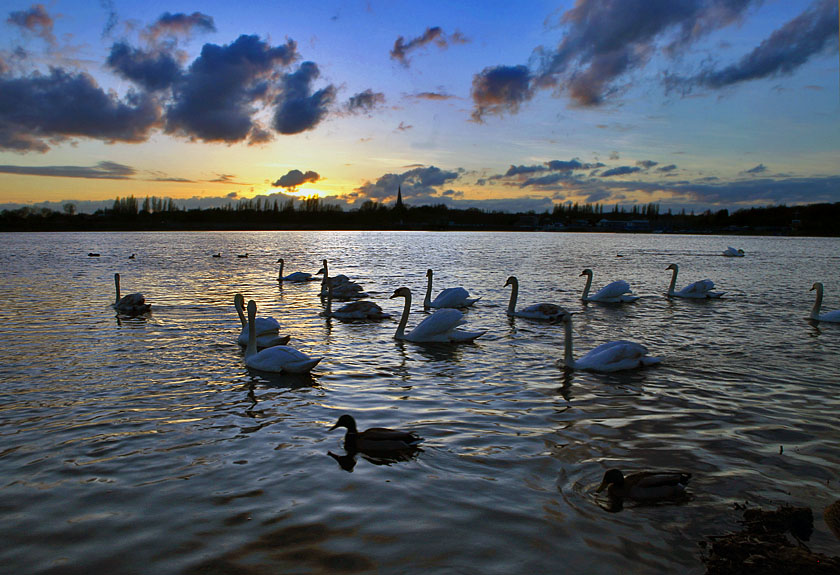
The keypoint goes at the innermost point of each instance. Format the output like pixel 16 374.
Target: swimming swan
pixel 615 292
pixel 539 311
pixel 293 277
pixel 644 485
pixel 448 298
pixel 438 327
pixel 132 304
pixel 607 357
pixel 831 316
pixel 343 288
pixel 279 358
pixel 267 328
pixel 353 310
pixel 698 290
pixel 731 252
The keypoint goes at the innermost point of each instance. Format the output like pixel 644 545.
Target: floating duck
pixel 644 485
pixel 375 439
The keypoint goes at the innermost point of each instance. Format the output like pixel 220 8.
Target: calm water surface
pixel 147 446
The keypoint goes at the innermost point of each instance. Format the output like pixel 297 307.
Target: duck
pixel 131 257
pixel 93 255
pixel 537 311
pixel 133 304
pixel 375 439
pixel 266 328
pixel 293 277
pixel 607 357
pixel 277 358
pixel 698 290
pixel 343 288
pixel 615 292
pixel 354 310
pixel 644 485
pixel 456 297
pixel 441 326
pixel 245 255
pixel 217 255
pixel 829 316
pixel 731 252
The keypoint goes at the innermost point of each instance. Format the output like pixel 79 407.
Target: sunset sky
pixel 696 104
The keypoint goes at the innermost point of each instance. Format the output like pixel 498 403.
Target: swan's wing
pixel 613 356
pixel 281 358
pixel 451 297
pixel 612 291
pixel 830 316
pixel 461 336
pixel 266 325
pixel 298 277
pixel 698 289
pixel 437 326
pixel 548 311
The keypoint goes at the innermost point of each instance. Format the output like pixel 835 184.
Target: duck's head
pixel 511 280
pixel 347 421
pixel 401 292
pixel 611 477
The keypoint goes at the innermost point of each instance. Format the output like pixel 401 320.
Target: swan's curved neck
pixel 238 304
pixel 251 348
pixel 587 286
pixel 427 301
pixel 673 280
pixel 404 319
pixel 815 313
pixel 117 286
pixel 325 281
pixel 514 293
pixel 568 356
pixel 280 273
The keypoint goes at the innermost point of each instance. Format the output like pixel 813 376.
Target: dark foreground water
pixel 147 446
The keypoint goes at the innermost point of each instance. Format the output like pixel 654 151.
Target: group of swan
pixel 277 358
pixel 353 310
pixel 133 304
pixel 267 329
pixel 341 285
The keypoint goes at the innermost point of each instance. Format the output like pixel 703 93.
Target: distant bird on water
pixel 376 439
pixel 644 485
pixel 245 255
pixel 93 255
pixel 131 257
pixel 218 255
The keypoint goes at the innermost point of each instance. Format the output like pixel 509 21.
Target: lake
pixel 147 446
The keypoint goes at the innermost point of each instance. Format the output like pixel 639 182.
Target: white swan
pixel 293 277
pixel 540 311
pixel 830 316
pixel 278 358
pixel 607 357
pixel 731 252
pixel 353 310
pixel 698 290
pixel 615 292
pixel 131 304
pixel 438 327
pixel 343 288
pixel 448 298
pixel 266 328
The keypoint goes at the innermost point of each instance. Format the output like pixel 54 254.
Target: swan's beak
pixel 392 296
pixel 320 271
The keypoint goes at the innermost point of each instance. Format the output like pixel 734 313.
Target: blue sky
pixel 695 104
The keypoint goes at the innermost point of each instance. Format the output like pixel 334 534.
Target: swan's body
pixel 697 290
pixel 132 304
pixel 608 357
pixel 829 316
pixel 293 277
pixel 645 485
pixel 279 358
pixel 342 287
pixel 449 298
pixel 615 292
pixel 354 310
pixel 731 252
pixel 438 327
pixel 376 439
pixel 538 311
pixel 267 329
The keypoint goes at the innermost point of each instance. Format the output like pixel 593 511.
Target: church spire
pixel 399 204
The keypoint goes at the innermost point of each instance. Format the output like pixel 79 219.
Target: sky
pixel 512 106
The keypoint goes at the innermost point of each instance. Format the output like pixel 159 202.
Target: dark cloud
pixel 418 184
pixel 433 34
pixel 812 32
pixel 152 71
pixel 365 102
pixel 295 178
pixel 180 24
pixel 35 20
pixel 38 108
pixel 517 170
pixel 500 89
pixel 298 108
pixel 759 169
pixel 111 22
pixel 101 171
pixel 620 171
pixel 575 164
pixel 433 96
pixel 214 101
pixel 548 180
pixel 552 165
pixel 666 169
pixel 646 164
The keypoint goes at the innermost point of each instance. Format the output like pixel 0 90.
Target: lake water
pixel 147 446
